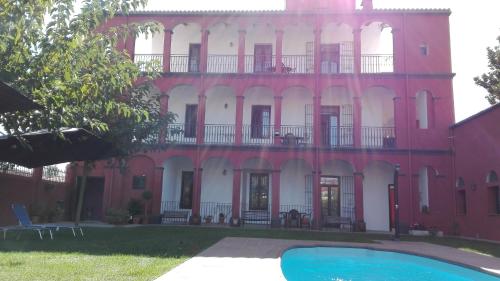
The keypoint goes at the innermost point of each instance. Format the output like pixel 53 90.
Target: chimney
pixel 367 5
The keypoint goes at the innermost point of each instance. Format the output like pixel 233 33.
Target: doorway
pixel 330 58
pixel 92 208
pixel 259 192
pixel 187 183
pixel 263 56
pixel 392 207
pixel 329 118
pixel 330 196
pixel 194 57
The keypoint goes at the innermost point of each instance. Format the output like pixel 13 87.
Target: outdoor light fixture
pixel 277 133
pixel 224 172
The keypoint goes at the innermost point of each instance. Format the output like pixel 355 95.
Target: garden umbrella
pixel 43 148
pixel 12 100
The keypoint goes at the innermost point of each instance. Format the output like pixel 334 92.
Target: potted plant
pixel 36 212
pixel 135 209
pixel 418 229
pixel 208 219
pixel 195 219
pixel 222 218
pixel 234 221
pixel 147 196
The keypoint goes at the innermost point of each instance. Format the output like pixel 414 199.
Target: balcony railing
pixel 8 168
pixel 337 136
pixel 219 134
pixel 222 64
pixel 149 61
pixel 258 134
pixel 260 64
pixel 297 64
pixel 177 133
pixel 377 63
pixel 296 135
pixel 378 137
pixel 212 209
pixel 182 63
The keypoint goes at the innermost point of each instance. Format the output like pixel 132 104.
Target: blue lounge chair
pixel 24 220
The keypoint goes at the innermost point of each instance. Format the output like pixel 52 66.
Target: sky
pixel 474 26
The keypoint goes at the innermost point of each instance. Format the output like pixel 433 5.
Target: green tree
pixel 57 56
pixel 491 80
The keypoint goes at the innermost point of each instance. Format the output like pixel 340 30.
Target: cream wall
pixel 376 42
pixel 293 182
pixel 152 44
pixel 172 177
pixel 180 96
pixel 422 114
pixel 295 38
pixel 378 108
pixel 183 35
pixel 257 96
pixel 216 112
pixel 293 106
pixel 333 33
pixel 223 39
pixel 377 177
pixel 259 34
pixel 217 185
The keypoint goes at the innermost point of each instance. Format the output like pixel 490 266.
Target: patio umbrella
pixel 12 100
pixel 44 148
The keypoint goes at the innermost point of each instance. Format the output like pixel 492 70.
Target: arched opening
pixel 461 199
pixel 377 54
pixel 337 48
pixel 183 102
pixel 423 189
pixel 296 186
pixel 260 48
pixel 424 109
pixel 297 116
pixel 186 48
pixel 377 118
pixel 220 114
pixel 298 48
pixel 216 188
pixel 337 190
pixel 258 112
pixel 256 188
pixel 148 53
pixel 377 184
pixel 178 184
pixel 460 183
pixel 336 117
pixel 223 48
pixel 492 177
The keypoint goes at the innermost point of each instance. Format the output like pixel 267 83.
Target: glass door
pixel 259 192
pixel 330 196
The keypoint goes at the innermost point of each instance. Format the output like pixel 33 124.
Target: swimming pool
pixel 356 264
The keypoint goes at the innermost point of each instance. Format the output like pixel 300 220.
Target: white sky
pixel 474 26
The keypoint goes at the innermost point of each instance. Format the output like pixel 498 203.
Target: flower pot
pixel 419 232
pixel 222 220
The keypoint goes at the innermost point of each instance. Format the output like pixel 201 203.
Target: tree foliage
pixel 491 80
pixel 57 56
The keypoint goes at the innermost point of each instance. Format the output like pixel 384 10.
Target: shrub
pixel 135 207
pixel 117 216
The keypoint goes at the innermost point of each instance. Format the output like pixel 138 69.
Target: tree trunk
pixel 81 192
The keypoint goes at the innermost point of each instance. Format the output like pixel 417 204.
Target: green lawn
pixel 145 253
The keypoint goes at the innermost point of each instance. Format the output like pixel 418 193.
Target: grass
pixel 145 253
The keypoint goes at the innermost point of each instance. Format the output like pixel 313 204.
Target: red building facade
pixel 310 108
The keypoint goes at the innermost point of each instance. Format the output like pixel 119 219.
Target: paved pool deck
pixel 259 259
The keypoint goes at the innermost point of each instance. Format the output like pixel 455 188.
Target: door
pixel 92 208
pixel 187 182
pixel 259 192
pixel 330 196
pixel 330 58
pixel 392 207
pixel 194 57
pixel 190 120
pixel 330 125
pixel 263 56
pixel 260 122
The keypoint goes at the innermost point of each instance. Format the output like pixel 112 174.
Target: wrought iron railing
pixel 176 133
pixel 258 134
pixel 222 64
pixel 296 135
pixel 306 209
pixel 147 62
pixel 182 63
pixel 214 209
pixel 377 63
pixel 260 64
pixel 337 136
pixel 54 174
pixel 297 64
pixel 8 168
pixel 378 137
pixel 219 134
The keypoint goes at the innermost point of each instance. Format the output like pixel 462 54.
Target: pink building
pixel 308 108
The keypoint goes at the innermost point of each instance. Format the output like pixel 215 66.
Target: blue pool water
pixel 353 264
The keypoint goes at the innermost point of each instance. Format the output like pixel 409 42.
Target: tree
pixel 491 80
pixel 78 74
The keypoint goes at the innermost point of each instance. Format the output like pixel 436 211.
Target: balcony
pixel 149 61
pixel 377 63
pixel 298 64
pixel 260 64
pixel 296 135
pixel 222 64
pixel 219 134
pixel 378 137
pixel 337 136
pixel 258 134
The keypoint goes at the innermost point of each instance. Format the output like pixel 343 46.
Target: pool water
pixel 354 264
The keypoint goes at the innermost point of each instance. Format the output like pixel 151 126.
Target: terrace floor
pixel 259 259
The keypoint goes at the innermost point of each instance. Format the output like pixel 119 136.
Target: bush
pixel 135 207
pixel 117 216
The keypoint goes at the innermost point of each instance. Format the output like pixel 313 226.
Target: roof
pixel 284 12
pixel 477 115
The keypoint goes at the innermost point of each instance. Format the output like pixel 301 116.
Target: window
pixel 423 188
pixel 190 120
pixel 461 202
pixel 139 182
pixel 330 58
pixel 187 190
pixel 263 58
pixel 422 103
pixel 259 191
pixel 424 49
pixel 261 121
pixel 460 183
pixel 492 177
pixel 194 57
